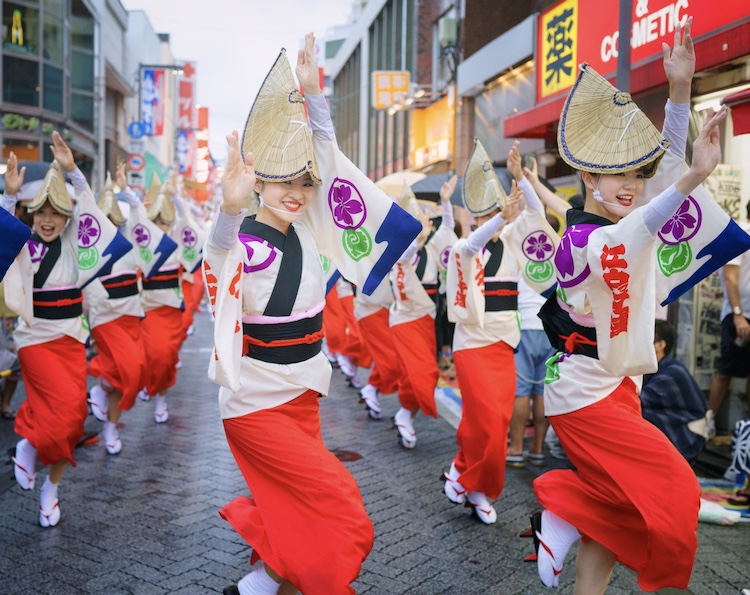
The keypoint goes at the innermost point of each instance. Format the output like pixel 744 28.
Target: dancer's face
pixel 619 193
pixel 286 200
pixel 48 223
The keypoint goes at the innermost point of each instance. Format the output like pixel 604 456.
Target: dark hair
pixel 663 331
pixel 747 210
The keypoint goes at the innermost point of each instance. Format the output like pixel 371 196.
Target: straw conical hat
pixel 482 192
pixel 53 189
pixel 161 204
pixel 276 130
pixel 108 204
pixel 603 131
pixel 408 202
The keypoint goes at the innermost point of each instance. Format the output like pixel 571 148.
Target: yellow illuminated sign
pixel 16 31
pixel 558 56
pixel 389 87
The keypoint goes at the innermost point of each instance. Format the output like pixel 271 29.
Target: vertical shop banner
pixel 575 31
pixel 202 156
pixel 724 184
pixel 152 101
pixel 185 145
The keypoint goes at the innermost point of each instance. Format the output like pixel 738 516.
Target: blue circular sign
pixel 136 129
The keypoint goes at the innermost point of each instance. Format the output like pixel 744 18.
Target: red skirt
pixel 416 345
pixel 52 416
pixel 633 492
pixel 354 346
pixel 376 333
pixel 121 361
pixel 305 519
pixel 162 336
pixel 487 378
pixel 188 297
pixel 334 322
pixel 198 289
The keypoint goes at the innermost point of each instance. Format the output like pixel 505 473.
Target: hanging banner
pixel 153 87
pixel 202 156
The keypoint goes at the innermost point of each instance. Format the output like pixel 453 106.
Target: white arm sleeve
pixel 530 195
pixel 130 197
pixel 9 202
pixel 320 116
pixel 78 179
pixel 448 220
pixel 658 211
pixel 410 252
pixel 480 236
pixel 676 120
pixel 225 229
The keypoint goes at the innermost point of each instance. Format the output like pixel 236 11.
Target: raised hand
pixel 238 181
pixel 707 147
pixel 513 201
pixel 448 188
pixel 532 174
pixel 679 63
pixel 514 162
pixel 171 186
pixel 62 152
pixel 13 177
pixel 307 67
pixel 120 178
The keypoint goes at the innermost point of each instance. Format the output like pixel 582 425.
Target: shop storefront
pixel 48 79
pixel 574 31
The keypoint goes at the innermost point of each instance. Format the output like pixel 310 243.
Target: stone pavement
pixel 146 521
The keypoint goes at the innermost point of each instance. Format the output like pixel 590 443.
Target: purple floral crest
pixel 445 256
pixel 684 224
pixel 260 253
pixel 142 235
pixel 37 250
pixel 89 231
pixel 537 246
pixel 571 272
pixel 189 237
pixel 346 204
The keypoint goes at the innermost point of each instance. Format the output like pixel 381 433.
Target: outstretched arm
pixel 679 66
pixel 237 184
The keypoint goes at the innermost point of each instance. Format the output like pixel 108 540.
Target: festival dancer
pixel 115 312
pixel 69 248
pixel 483 273
pixel 415 280
pixel 306 519
pixel 601 321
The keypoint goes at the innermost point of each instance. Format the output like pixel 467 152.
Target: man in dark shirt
pixel 671 398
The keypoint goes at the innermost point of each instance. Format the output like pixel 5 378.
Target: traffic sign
pixel 136 162
pixel 136 129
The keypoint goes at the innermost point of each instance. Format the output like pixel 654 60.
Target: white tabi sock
pixel 258 582
pixel 556 538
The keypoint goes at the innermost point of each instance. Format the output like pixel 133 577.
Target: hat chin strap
pixel 611 207
pixel 263 205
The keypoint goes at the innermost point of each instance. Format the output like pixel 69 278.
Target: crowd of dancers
pixel 307 263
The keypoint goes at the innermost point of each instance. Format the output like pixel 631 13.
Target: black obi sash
pixel 563 333
pixel 58 304
pixel 284 342
pixel 165 280
pixel 499 296
pixel 121 286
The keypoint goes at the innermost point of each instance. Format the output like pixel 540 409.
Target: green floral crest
pixel 357 243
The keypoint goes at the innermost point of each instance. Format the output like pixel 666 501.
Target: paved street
pixel 146 521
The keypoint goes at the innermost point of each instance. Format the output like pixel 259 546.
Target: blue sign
pixel 135 130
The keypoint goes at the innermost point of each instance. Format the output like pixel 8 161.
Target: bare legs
pixel 521 409
pixel 594 565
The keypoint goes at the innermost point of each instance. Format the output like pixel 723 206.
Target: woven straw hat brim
pixel 53 190
pixel 408 202
pixel 603 131
pixel 481 190
pixel 276 130
pixel 108 204
pixel 153 190
pixel 162 207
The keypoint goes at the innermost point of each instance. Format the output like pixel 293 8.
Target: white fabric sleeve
pixel 530 196
pixel 225 229
pixel 676 120
pixel 448 220
pixel 480 236
pixel 9 203
pixel 410 252
pixel 179 204
pixel 660 210
pixel 78 179
pixel 130 197
pixel 320 116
